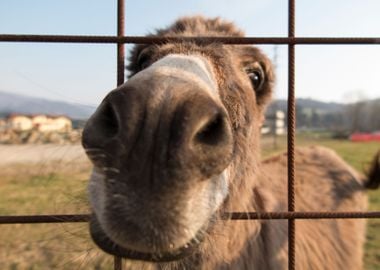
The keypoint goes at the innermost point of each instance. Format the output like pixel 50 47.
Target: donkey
pixel 177 145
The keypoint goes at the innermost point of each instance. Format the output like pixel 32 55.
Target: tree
pixel 356 103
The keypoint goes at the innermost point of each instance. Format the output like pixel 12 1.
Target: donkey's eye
pixel 256 76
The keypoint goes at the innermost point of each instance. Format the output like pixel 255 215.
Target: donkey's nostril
pixel 101 127
pixel 213 132
pixel 106 121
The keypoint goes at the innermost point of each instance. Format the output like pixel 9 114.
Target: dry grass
pixel 47 188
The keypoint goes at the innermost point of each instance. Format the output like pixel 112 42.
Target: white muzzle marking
pixel 193 68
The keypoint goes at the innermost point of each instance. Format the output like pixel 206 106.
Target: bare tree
pixel 356 103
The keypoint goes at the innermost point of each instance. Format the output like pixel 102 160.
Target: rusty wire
pixel 35 219
pixel 197 39
pixel 31 219
pixel 291 138
pixel 290 40
pixel 117 262
pixel 120 45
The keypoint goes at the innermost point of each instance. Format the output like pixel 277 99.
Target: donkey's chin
pixel 154 230
pixel 128 251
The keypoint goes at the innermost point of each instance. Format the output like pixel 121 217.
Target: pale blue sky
pixel 84 73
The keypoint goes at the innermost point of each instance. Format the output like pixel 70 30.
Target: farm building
pixel 3 124
pixel 19 122
pixel 39 122
pixel 274 123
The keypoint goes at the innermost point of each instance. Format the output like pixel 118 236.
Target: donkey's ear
pixel 259 70
pixel 138 57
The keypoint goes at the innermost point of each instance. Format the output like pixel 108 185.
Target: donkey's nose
pixel 189 132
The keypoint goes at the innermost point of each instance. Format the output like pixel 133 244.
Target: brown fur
pixel 324 182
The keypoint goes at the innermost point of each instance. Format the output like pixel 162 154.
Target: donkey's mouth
pixel 106 244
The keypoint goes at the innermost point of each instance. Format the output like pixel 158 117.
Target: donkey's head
pixel 169 144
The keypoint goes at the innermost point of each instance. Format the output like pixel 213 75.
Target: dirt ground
pixel 30 153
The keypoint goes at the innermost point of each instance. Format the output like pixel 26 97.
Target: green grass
pixel 61 188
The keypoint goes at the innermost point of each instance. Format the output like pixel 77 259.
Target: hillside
pixel 13 103
pixel 361 116
pixel 308 104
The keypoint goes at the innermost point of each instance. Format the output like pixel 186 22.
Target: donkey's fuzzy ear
pixel 133 67
pixel 251 59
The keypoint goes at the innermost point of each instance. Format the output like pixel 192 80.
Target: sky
pixel 84 73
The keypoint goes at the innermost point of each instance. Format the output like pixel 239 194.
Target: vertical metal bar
pixel 117 262
pixel 291 137
pixel 120 75
pixel 120 46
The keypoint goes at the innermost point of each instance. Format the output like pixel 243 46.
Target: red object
pixel 365 137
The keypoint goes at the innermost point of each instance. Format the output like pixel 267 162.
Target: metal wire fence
pixel 291 215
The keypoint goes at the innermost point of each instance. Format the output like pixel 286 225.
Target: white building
pixel 19 122
pixel 59 123
pixel 274 124
pixel 39 122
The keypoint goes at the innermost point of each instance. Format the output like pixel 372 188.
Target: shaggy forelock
pixel 187 26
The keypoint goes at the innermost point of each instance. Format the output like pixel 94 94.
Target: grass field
pixel 47 189
pixel 60 187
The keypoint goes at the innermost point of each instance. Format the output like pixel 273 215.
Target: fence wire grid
pixel 291 40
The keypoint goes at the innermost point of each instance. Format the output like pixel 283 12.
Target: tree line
pixel 361 116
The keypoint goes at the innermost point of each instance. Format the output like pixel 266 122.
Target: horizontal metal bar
pixel 227 216
pixel 225 40
pixel 43 219
pixel 300 215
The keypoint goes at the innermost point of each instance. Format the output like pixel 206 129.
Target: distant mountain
pixel 13 103
pixel 308 104
pixel 310 113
